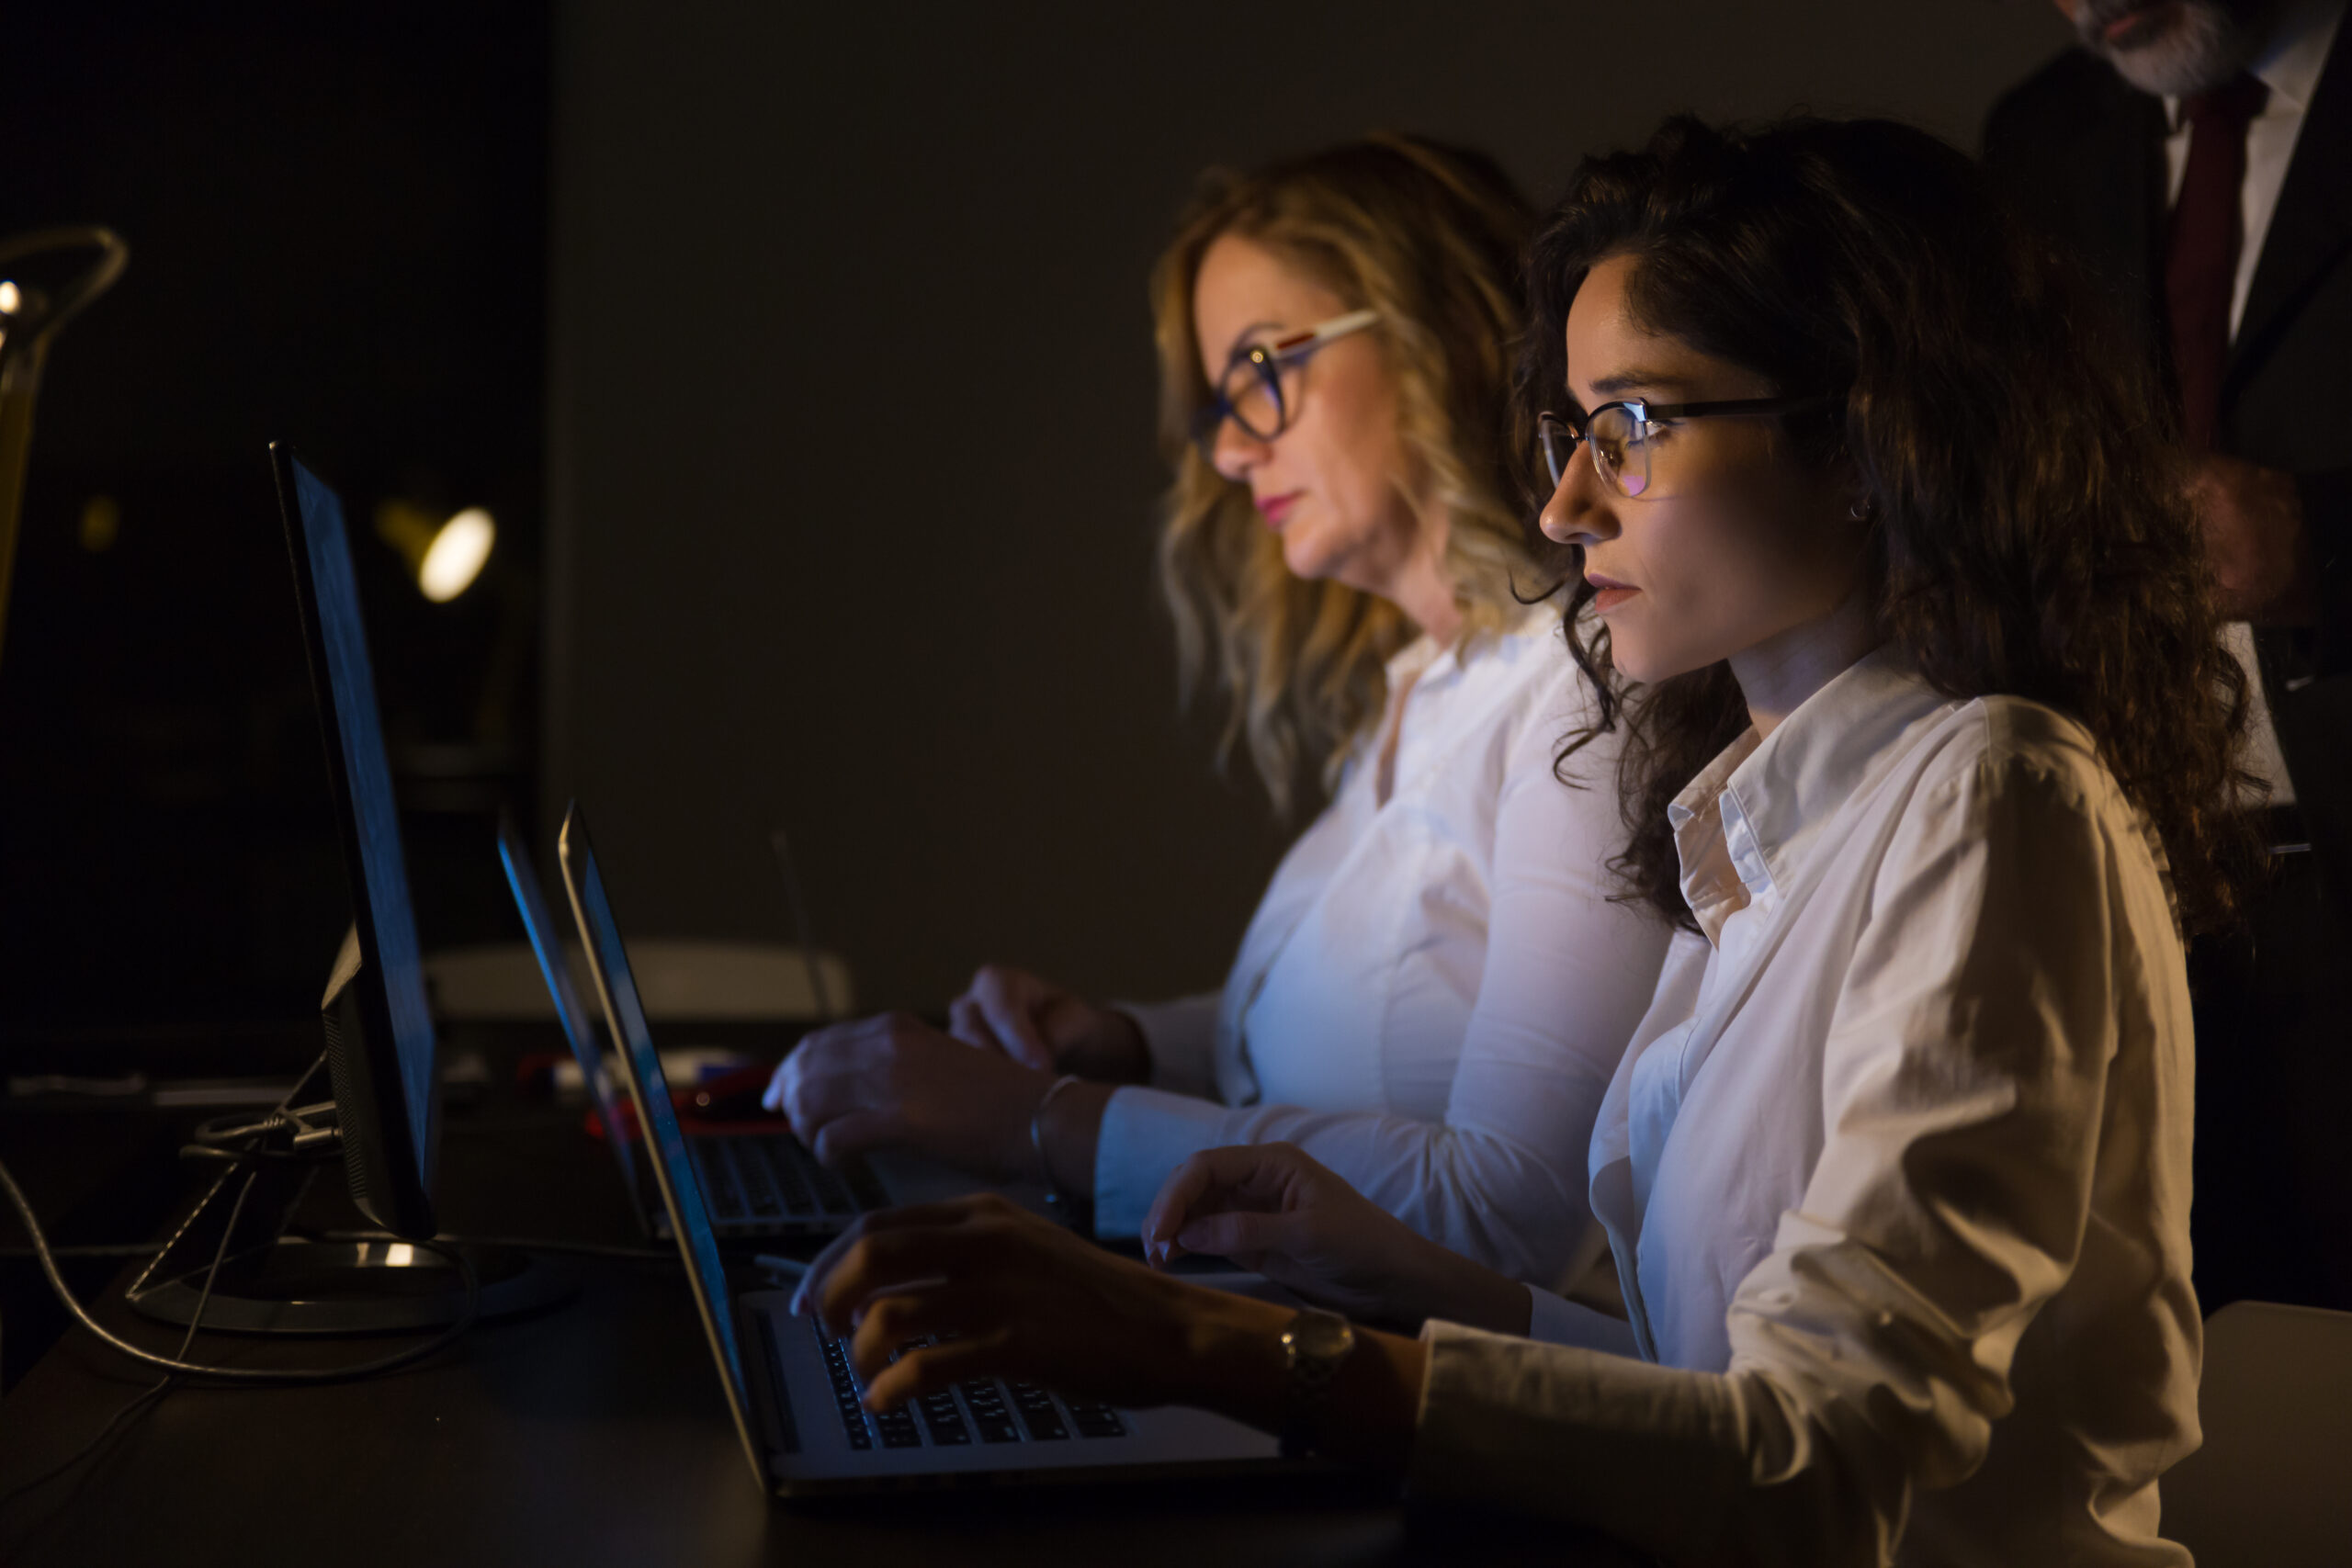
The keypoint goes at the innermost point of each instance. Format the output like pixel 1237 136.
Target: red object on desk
pixel 727 1103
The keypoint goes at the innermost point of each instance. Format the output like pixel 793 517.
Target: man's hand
pixel 2252 519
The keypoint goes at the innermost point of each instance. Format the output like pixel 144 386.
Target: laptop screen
pixel 547 945
pixel 681 1188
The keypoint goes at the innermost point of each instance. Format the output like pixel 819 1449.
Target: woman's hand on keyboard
pixel 895 1082
pixel 1273 1209
pixel 1040 1024
pixel 1018 1296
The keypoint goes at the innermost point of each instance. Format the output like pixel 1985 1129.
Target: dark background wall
pixel 336 218
pixel 803 355
pixel 850 467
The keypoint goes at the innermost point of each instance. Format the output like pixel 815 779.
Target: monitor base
pixel 295 1287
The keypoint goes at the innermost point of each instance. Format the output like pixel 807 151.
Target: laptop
pixel 789 1384
pixel 762 1184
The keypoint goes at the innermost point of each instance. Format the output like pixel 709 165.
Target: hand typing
pixel 895 1082
pixel 1273 1209
pixel 1047 1027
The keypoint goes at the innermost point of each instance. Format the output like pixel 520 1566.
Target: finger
pixel 912 1216
pixel 845 1137
pixel 968 1022
pixel 774 1099
pixel 935 1367
pixel 917 1310
pixel 1236 1175
pixel 834 1074
pixel 885 1255
pixel 1186 1186
pixel 1009 1001
pixel 1240 1230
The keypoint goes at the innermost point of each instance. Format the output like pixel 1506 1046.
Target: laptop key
pixel 751 1165
pixel 945 1417
pixel 992 1418
pixel 1037 1412
pixel 843 1378
pixel 718 1179
pixel 897 1428
pixel 1095 1420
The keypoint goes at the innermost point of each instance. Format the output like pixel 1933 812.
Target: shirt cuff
pixel 1555 1320
pixel 1181 1037
pixel 1146 1135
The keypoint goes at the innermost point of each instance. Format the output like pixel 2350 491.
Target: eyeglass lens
pixel 1619 455
pixel 1251 391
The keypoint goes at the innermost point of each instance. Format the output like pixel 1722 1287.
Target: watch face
pixel 1320 1336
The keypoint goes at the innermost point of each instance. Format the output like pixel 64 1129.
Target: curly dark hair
pixel 2030 534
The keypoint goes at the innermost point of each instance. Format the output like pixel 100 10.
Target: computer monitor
pixel 380 1043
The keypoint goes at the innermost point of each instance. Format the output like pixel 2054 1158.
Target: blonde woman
pixel 1437 986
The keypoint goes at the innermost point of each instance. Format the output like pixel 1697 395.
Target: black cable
pixel 161 1385
pixel 280 1376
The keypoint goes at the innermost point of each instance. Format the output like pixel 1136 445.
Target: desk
pixel 593 1434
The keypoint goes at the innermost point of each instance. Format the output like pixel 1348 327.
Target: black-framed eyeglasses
pixel 1620 433
pixel 1250 393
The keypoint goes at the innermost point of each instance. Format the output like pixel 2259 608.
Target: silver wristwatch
pixel 1314 1345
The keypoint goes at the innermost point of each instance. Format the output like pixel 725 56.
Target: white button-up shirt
pixel 1895 1170
pixel 1436 987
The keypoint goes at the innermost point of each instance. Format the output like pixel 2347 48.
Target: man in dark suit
pixel 2197 156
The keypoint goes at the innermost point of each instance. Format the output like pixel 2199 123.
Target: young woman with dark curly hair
pixel 1931 763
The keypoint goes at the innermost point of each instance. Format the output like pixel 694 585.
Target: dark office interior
pixel 803 356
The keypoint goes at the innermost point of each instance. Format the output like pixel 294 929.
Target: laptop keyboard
pixel 754 1181
pixel 982 1410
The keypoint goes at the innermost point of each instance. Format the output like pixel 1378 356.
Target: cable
pixel 161 1385
pixel 280 1376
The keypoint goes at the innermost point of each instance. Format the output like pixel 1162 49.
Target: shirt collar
pixel 2291 64
pixel 1423 660
pixel 1743 826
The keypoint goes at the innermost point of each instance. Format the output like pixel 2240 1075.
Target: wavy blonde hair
pixel 1431 237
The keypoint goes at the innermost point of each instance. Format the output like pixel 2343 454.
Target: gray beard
pixel 2211 41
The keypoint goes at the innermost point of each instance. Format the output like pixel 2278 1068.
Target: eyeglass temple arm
pixel 1757 406
pixel 1322 332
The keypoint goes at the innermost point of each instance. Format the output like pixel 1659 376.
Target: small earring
pixel 1860 512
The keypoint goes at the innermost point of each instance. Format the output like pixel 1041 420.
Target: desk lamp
pixel 45 277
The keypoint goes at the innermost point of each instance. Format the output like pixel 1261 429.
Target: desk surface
pixel 593 1434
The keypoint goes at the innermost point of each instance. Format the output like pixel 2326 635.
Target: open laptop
pixel 760 1185
pixel 789 1384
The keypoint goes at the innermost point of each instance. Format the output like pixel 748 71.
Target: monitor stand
pixel 271 1282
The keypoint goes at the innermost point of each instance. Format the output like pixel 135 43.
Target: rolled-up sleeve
pixel 1966 1100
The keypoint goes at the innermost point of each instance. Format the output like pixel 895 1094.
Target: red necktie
pixel 2202 252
